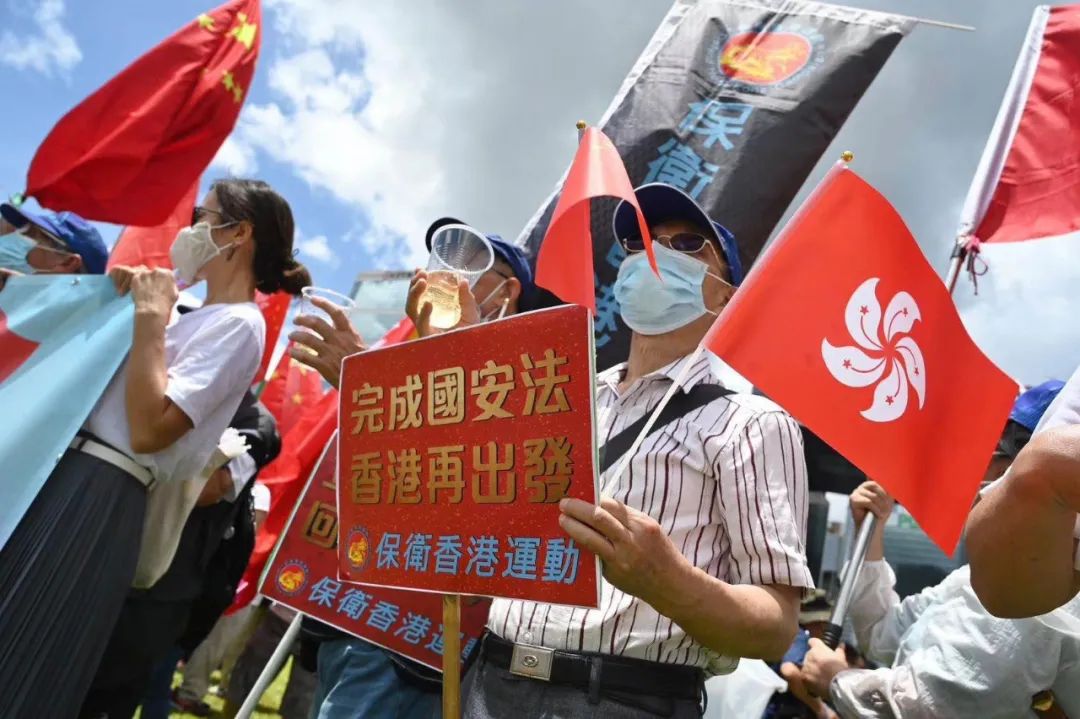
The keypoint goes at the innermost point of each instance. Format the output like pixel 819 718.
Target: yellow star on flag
pixel 206 22
pixel 244 32
pixel 233 86
pixel 297 398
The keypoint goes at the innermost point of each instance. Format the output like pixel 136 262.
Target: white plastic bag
pixel 743 693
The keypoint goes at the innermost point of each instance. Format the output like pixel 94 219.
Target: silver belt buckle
pixel 532 662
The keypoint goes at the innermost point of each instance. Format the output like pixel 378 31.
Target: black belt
pixel 596 673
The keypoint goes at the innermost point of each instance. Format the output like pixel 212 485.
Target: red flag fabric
pixel 1027 185
pixel 14 350
pixel 564 263
pixel 292 390
pixel 403 331
pixel 301 447
pixel 862 343
pixel 150 245
pixel 130 152
pixel 274 309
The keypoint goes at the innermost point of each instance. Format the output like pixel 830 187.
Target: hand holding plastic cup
pixel 307 307
pixel 458 252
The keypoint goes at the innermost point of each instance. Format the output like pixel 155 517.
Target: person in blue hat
pixel 702 533
pixel 941 653
pixel 506 289
pixel 49 243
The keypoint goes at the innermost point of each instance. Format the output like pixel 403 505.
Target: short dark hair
pixel 276 269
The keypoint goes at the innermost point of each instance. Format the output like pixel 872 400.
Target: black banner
pixel 733 102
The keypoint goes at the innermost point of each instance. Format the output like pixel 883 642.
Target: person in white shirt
pixel 943 653
pixel 702 539
pixel 1022 566
pixel 66 570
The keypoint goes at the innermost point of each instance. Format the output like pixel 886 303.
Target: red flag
pixel 301 447
pixel 150 245
pixel 859 339
pixel 274 308
pixel 130 152
pixel 564 264
pixel 403 331
pixel 291 391
pixel 1027 185
pixel 14 350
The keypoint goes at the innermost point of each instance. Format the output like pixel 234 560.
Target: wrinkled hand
pixel 638 556
pixel 820 665
pixel 870 497
pixel 792 673
pixel 420 312
pixel 152 290
pixel 325 346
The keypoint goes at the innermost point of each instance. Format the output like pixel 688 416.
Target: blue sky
pixel 47 86
pixel 374 117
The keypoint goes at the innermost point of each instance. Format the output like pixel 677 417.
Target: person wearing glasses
pixel 58 243
pixel 701 539
pixel 67 567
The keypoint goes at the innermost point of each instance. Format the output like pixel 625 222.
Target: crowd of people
pixel 125 563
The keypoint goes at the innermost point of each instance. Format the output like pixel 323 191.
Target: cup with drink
pixel 307 307
pixel 458 252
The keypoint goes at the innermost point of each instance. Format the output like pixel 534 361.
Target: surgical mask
pixel 650 306
pixel 496 314
pixel 192 249
pixel 13 251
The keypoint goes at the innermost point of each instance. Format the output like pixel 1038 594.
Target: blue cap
pixel 661 202
pixel 1031 405
pixel 77 234
pixel 510 253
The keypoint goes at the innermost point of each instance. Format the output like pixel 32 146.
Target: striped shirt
pixel 727 482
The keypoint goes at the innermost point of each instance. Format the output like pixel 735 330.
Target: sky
pixel 373 118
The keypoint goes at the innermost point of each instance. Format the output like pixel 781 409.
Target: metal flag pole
pixel 271 669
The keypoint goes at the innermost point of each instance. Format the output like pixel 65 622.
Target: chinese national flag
pixel 293 388
pixel 150 246
pixel 564 264
pixel 130 152
pixel 274 308
pixel 845 324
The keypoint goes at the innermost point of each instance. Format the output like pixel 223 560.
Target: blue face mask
pixel 13 251
pixel 651 307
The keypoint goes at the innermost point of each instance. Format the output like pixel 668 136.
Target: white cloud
pixel 317 248
pixel 235 158
pixel 48 48
pixel 410 114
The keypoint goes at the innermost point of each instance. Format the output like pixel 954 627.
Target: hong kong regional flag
pixel 845 324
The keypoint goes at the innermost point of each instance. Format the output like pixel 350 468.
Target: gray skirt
pixel 64 574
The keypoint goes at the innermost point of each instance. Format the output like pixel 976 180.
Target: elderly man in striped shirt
pixel 702 538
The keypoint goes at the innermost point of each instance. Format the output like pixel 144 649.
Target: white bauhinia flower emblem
pixel 886 354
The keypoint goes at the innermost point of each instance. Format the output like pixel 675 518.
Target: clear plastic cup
pixel 307 307
pixel 458 252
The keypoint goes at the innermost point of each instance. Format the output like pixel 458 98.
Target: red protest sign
pixel 455 451
pixel 302 574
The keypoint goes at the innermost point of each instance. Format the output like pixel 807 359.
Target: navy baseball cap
pixel 661 202
pixel 511 254
pixel 77 234
pixel 1030 406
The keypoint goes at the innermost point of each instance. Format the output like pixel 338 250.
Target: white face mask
pixel 192 249
pixel 496 314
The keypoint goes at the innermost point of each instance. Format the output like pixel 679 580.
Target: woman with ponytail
pixel 66 570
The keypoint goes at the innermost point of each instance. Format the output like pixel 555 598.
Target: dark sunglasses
pixel 687 242
pixel 199 215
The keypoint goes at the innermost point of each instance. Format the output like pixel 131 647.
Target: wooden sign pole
pixel 451 657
